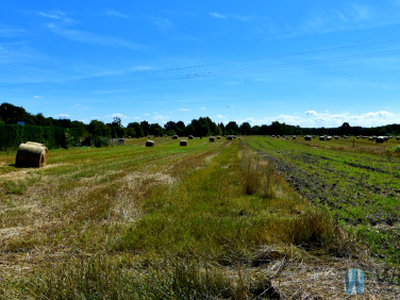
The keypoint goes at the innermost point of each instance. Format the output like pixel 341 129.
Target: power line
pixel 203 70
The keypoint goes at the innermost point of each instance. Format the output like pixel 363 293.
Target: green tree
pixel 118 131
pixel 170 128
pixel 345 129
pixel 232 128
pixel 245 128
pixel 156 130
pixel 137 128
pixel 180 128
pixel 204 127
pixel 12 114
pixel 96 128
pixel 145 127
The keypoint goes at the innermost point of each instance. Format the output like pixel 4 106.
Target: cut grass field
pixel 359 184
pixel 210 220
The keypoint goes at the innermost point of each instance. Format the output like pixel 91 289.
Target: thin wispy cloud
pixel 161 118
pixel 184 109
pixel 57 15
pixel 37 97
pixel 61 25
pixel 6 32
pixel 218 15
pixel 163 24
pixel 114 13
pixel 243 18
pixel 362 12
pixel 346 18
pixel 18 52
pixel 91 38
pixel 80 106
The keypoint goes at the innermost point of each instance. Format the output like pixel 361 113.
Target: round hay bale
pixel 174 137
pixel 307 137
pixel 183 143
pixel 38 145
pixel 149 143
pixel 211 139
pixel 191 137
pixel 380 140
pixel 31 155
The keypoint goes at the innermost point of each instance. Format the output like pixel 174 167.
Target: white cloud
pixel 345 18
pixel 203 108
pixel 114 13
pixel 313 118
pixel 243 18
pixel 57 15
pixel 218 15
pixel 90 38
pixel 160 118
pixel 118 115
pixel 362 12
pixel 140 68
pixel 62 116
pixel 220 116
pixel 162 24
pixel 328 119
pixel 311 113
pixel 184 109
pixel 80 106
pixel 10 32
pixel 37 97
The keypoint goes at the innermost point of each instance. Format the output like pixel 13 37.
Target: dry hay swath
pixel 149 143
pixel 31 155
pixel 183 143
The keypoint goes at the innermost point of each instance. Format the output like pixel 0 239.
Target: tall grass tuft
pixel 182 278
pixel 318 230
pixel 257 175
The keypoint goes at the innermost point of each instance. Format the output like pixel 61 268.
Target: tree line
pixel 203 126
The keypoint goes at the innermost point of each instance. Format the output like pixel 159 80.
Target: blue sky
pixel 307 63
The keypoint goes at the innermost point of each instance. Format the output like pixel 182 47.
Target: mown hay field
pixel 210 220
pixel 358 181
